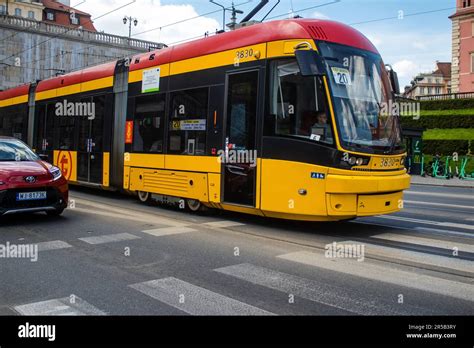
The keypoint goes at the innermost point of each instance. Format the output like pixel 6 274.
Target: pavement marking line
pixel 427 222
pixel 223 224
pixel 389 275
pixel 61 307
pixel 169 231
pixel 436 230
pixel 436 243
pixel 128 214
pixel 468 207
pixel 333 296
pixel 53 245
pixel 443 195
pixel 447 262
pixel 193 299
pixel 111 238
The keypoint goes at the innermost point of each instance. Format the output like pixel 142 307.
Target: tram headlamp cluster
pixel 358 161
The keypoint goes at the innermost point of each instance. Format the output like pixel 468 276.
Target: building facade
pixel 433 83
pixel 36 50
pixel 26 9
pixel 463 47
pixel 60 13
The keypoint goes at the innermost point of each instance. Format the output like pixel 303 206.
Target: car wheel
pixel 57 212
pixel 144 197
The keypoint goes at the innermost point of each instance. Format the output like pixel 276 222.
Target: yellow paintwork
pixel 14 101
pixel 88 86
pixel 171 183
pixel 106 170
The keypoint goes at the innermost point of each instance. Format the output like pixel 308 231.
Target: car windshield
pixel 12 150
pixel 362 99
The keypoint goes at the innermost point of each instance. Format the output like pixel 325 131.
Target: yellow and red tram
pixel 280 119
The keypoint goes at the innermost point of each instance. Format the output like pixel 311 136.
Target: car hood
pixel 15 169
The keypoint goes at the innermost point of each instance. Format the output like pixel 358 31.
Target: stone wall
pixel 31 50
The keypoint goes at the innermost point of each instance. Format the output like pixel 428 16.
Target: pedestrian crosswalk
pixel 193 299
pixel 220 293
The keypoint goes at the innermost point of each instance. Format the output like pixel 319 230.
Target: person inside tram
pixel 321 128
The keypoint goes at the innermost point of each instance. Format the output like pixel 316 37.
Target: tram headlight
pixel 360 162
pixel 352 161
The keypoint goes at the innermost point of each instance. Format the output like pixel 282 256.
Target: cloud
pixel 318 15
pixel 406 68
pixel 151 14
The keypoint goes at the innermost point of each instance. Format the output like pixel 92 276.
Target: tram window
pixel 13 121
pixel 149 123
pixel 298 106
pixel 188 124
pixel 66 133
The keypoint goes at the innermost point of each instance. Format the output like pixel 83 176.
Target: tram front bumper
pixel 365 195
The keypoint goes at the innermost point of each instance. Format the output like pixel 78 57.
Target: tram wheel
pixel 194 205
pixel 144 197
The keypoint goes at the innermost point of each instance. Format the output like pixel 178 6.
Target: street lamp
pixel 130 20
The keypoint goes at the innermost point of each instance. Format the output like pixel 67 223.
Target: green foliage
pixel 449 134
pixel 452 104
pixel 447 147
pixel 439 121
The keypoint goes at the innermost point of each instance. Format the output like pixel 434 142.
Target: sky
pixel 410 42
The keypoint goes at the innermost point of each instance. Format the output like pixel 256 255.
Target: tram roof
pixel 312 29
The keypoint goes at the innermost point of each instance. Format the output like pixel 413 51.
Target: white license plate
pixel 31 196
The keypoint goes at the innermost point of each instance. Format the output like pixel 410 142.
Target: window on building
pixel 430 90
pixel 3 9
pixel 75 20
pixel 18 12
pixel 466 3
pixel 31 14
pixel 472 28
pixel 149 123
pixel 188 125
pixel 50 16
pixel 438 90
pixel 472 62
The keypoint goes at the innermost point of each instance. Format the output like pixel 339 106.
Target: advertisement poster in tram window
pixel 151 80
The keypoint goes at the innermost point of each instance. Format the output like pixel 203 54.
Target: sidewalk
pixel 455 182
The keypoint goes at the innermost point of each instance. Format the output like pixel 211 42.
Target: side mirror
pixel 43 157
pixel 310 63
pixel 393 76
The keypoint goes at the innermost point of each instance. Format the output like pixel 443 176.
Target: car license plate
pixel 31 196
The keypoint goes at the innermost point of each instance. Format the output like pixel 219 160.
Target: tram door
pixel 44 140
pixel 90 142
pixel 239 161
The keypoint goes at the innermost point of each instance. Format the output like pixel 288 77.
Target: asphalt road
pixel 110 255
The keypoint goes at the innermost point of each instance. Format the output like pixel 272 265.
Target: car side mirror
pixel 310 63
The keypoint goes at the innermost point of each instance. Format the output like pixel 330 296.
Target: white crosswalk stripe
pixel 53 245
pixel 337 297
pixel 435 261
pixel 223 224
pixel 169 231
pixel 384 274
pixel 193 299
pixel 68 306
pixel 111 238
pixel 443 244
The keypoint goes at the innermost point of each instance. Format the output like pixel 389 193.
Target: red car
pixel 28 184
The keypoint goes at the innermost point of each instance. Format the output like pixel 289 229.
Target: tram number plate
pixel 387 163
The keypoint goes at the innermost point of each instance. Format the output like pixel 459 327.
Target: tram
pixel 280 119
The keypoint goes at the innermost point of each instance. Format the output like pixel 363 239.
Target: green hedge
pixel 440 122
pixel 447 104
pixel 447 147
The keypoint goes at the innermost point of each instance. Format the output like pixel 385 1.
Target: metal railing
pixel 465 95
pixel 76 33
